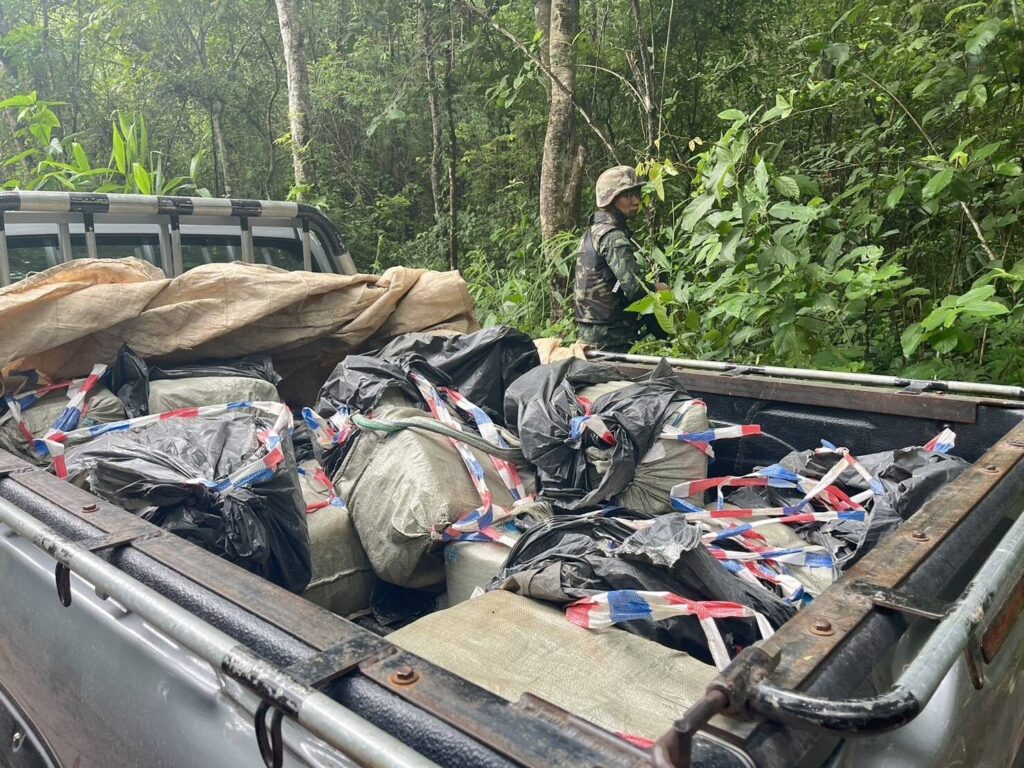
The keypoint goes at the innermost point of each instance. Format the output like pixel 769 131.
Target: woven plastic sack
pixel 342 579
pixel 172 394
pixel 403 487
pixel 666 464
pixel 511 645
pixel 102 407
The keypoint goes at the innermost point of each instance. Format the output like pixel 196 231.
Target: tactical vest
pixel 595 299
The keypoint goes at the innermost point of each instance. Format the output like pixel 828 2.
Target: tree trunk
pixel 453 149
pixel 298 90
pixel 216 110
pixel 542 15
pixel 555 206
pixel 436 127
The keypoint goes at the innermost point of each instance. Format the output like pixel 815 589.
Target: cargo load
pixel 342 579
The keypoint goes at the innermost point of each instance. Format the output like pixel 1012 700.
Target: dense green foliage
pixel 830 184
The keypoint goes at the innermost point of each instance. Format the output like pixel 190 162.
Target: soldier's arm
pixel 622 260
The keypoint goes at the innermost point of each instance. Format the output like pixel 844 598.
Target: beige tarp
pixel 551 350
pixel 67 318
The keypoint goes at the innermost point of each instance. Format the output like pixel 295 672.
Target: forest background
pixel 829 184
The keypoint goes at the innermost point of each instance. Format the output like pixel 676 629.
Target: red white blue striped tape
pixel 480 524
pixel 319 476
pixel 942 442
pixel 606 609
pixel 252 473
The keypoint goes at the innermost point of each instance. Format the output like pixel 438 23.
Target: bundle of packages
pixel 222 477
pixel 887 487
pixel 478 365
pixel 342 579
pixel 649 576
pixel 669 460
pixel 471 565
pixel 32 410
pixel 146 389
pixel 411 490
pixel 791 527
pixel 596 439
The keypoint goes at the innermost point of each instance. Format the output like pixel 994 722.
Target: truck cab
pixel 39 230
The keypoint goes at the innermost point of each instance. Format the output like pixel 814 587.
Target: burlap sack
pixel 403 486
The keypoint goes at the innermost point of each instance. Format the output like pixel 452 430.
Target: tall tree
pixel 299 108
pixel 437 141
pixel 453 147
pixel 560 157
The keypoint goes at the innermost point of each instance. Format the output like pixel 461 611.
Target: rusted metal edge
pixel 850 397
pixel 847 603
pixel 998 631
pixel 532 732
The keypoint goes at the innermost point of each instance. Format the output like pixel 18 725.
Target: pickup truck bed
pixel 101 683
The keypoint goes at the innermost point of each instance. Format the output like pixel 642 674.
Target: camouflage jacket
pixel 608 278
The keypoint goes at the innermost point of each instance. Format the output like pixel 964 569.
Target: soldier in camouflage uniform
pixel 608 278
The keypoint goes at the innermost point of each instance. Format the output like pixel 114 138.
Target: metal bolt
pixel 17 740
pixel 404 676
pixel 919 536
pixel 822 627
pixel 90 508
pixel 991 468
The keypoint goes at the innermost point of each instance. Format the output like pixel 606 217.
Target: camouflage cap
pixel 614 182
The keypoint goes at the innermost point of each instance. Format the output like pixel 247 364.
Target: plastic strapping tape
pixel 606 609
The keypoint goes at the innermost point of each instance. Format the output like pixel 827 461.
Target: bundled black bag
pixel 541 407
pixel 567 558
pixel 129 375
pixel 479 365
pixel 910 476
pixel 158 471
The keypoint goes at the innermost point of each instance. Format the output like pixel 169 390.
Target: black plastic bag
pixel 541 405
pixel 479 365
pixel 128 379
pixel 152 470
pixel 910 476
pixel 129 376
pixel 568 558
pixel 249 367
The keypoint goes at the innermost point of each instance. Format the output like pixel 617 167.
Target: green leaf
pixel 1007 168
pixel 937 183
pixel 982 35
pixel 119 151
pixel 911 338
pixel 695 211
pixel 142 179
pixel 20 156
pixel 731 114
pixel 787 186
pixel 960 9
pixel 945 341
pixel 837 53
pixel 986 309
pixel 643 306
pixel 980 293
pixel 894 196
pixel 21 100
pixel 793 212
pixel 81 160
